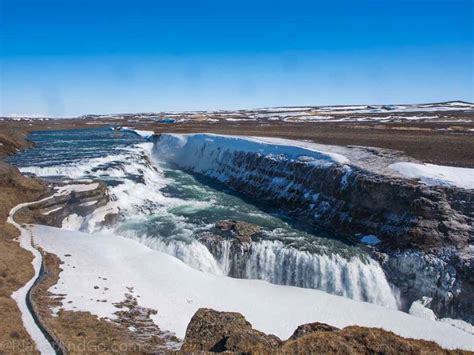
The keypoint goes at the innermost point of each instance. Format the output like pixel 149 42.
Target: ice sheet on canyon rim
pixel 177 291
pixel 431 174
pixel 183 149
pixel 177 143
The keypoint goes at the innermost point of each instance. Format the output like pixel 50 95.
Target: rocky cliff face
pixel 402 213
pixel 53 211
pixel 213 331
pixel 425 232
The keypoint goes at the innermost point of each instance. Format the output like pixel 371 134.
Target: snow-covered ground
pixel 26 242
pixel 333 113
pixel 348 109
pixel 432 174
pixel 102 267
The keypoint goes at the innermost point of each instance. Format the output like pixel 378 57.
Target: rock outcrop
pixel 213 331
pixel 402 213
pixel 241 231
pixel 231 240
pixel 53 211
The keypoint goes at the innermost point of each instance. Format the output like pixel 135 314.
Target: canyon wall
pixel 424 231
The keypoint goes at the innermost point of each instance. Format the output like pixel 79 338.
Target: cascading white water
pixel 272 261
pixel 362 280
pixel 191 253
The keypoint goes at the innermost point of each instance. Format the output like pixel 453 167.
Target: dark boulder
pixel 241 231
pixel 214 331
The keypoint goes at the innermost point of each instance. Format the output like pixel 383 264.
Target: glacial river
pixel 168 209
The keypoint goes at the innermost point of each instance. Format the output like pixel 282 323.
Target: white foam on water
pixel 191 253
pixel 72 222
pixel 349 277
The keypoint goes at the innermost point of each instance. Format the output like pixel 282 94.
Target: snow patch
pixel 431 174
pixel 76 188
pixel 420 309
pixel 89 203
pixel 53 210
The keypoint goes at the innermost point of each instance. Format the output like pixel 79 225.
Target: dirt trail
pixel 15 262
pixel 44 342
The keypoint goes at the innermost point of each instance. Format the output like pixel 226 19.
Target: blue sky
pixel 74 57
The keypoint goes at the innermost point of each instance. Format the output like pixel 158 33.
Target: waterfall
pixel 356 278
pixel 191 252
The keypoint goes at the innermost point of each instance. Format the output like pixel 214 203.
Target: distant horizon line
pixel 16 115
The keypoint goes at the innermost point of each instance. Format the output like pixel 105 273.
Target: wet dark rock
pixel 213 242
pixel 243 232
pixel 234 242
pixel 446 276
pixel 110 219
pixel 236 252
